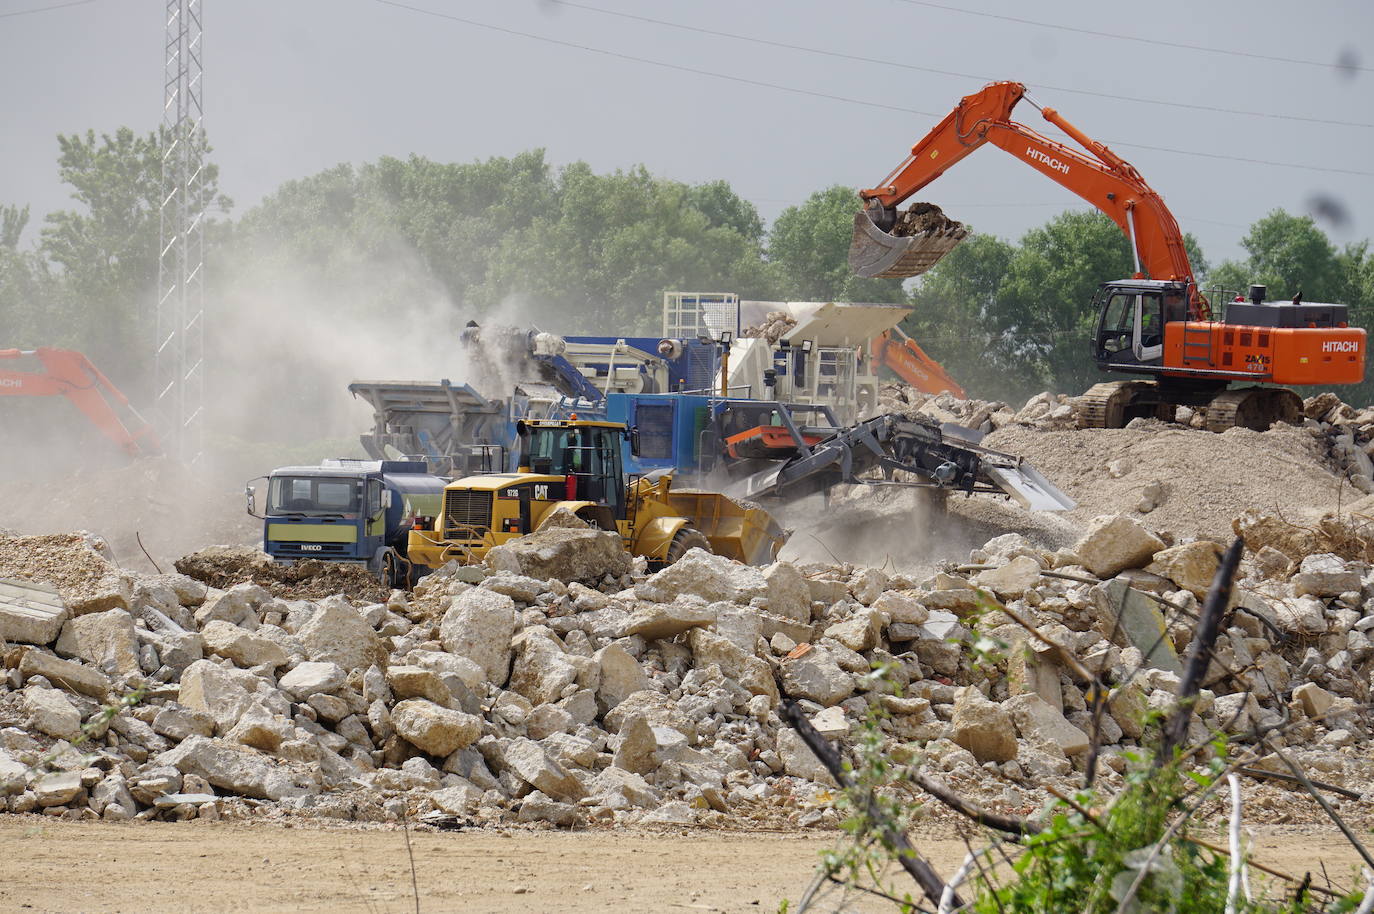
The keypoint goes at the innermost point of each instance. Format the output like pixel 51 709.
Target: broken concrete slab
pixel 65 674
pixel 31 613
pixel 1191 566
pixel 51 712
pixel 655 621
pixel 1132 619
pixel 1039 721
pixel 1012 579
pixel 534 766
pixel 433 728
pixel 241 646
pixel 563 554
pixel 982 727
pixel 704 574
pixel 337 633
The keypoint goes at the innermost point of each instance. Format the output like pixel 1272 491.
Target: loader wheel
pixel 685 539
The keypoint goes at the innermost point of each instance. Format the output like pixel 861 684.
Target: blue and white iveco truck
pixel 344 510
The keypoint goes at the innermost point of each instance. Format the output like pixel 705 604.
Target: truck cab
pixel 344 510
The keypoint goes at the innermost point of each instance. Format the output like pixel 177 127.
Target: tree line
pixel 579 251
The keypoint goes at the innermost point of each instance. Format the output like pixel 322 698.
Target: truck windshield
pixel 314 495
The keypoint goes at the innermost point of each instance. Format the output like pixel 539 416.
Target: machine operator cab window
pixel 590 454
pixel 1131 328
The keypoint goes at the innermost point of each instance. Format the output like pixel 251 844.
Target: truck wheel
pixel 684 539
pixel 395 570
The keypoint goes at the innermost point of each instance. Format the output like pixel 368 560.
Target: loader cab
pixel 1130 323
pixel 587 454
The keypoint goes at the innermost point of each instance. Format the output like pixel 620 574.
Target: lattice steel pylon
pixel 180 356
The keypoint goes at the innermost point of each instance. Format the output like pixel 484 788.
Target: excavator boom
pixel 1093 172
pixel 70 374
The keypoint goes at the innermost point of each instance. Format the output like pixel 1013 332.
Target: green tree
pixel 1043 315
pixel 1287 254
pixel 952 312
pixel 572 251
pixel 106 251
pixel 600 260
pixel 808 248
pixel 723 208
pixel 26 288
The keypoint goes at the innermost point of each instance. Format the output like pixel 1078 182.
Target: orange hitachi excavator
pixel 901 355
pixel 71 374
pixel 1157 323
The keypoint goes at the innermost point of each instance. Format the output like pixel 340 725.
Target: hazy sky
pixel 295 86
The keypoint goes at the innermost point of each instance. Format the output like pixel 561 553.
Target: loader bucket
pixel 874 253
pixel 738 530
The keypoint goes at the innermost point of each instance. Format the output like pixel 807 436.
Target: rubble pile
pixel 1044 410
pixel 775 325
pixel 225 566
pixel 1186 480
pixel 490 696
pixel 923 217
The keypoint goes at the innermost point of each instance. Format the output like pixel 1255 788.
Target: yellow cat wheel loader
pixel 578 465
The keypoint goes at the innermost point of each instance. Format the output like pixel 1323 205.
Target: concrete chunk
pixel 479 625
pixel 656 621
pixel 105 639
pixel 237 769
pixel 30 613
pixel 434 729
pixel 1114 543
pixel 1134 620
pixel 982 727
pixel 52 713
pixel 74 677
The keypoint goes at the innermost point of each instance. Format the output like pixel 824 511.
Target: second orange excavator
pixel 1157 323
pixel 63 372
pixel 901 355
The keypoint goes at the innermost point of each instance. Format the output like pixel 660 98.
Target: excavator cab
pixel 1130 324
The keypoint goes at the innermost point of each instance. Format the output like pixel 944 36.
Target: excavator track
pixel 1253 407
pixel 1112 404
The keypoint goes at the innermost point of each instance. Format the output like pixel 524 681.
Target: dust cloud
pixel 909 530
pixel 283 340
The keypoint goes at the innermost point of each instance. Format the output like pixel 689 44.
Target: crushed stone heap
pixel 491 697
pixel 1187 481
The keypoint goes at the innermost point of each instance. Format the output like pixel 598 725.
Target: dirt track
pixel 54 866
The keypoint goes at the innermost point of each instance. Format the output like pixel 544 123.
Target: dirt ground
pixel 52 866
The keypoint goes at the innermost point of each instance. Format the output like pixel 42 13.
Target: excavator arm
pixel 1094 173
pixel 71 375
pixel 900 353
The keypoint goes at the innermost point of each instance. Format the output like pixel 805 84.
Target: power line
pixel 654 63
pixel 45 9
pixel 903 65
pixel 1155 41
pixel 838 98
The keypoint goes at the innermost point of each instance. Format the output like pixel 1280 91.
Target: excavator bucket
pixel 737 529
pixel 874 253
